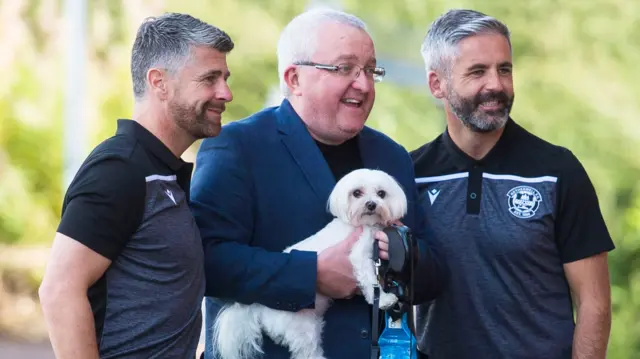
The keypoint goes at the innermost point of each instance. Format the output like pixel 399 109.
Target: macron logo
pixel 433 194
pixel 170 194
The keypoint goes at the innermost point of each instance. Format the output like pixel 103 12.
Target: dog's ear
pixel 398 205
pixel 338 203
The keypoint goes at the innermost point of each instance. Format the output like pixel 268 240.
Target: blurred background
pixel 64 70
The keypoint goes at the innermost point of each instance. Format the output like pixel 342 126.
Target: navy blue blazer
pixel 263 185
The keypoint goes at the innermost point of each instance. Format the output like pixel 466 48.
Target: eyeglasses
pixel 349 70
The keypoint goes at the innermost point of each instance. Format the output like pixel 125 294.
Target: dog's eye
pixel 357 193
pixel 382 194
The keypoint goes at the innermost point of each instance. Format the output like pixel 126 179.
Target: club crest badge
pixel 524 201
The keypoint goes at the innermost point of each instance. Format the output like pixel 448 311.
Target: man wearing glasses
pixel 263 184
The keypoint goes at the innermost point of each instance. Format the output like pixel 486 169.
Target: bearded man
pixel 126 274
pixel 516 217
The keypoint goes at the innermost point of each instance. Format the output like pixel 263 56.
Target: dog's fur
pixel 364 197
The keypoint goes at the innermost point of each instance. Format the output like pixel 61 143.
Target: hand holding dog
pixel 335 271
pixel 383 242
pixel 361 202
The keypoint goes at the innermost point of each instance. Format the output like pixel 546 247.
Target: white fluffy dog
pixel 364 197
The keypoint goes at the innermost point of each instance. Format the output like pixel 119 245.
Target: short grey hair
pixel 440 45
pixel 299 39
pixel 167 41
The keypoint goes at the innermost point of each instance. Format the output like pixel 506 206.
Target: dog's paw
pixel 387 300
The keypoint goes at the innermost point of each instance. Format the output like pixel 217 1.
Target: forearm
pixel 71 326
pixel 591 336
pixel 245 274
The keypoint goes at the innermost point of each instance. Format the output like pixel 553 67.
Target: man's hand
pixel 383 242
pixel 335 272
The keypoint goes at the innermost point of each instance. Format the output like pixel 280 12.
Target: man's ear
pixel 436 84
pixel 157 82
pixel 292 79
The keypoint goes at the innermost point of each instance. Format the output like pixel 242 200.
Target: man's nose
pixel 362 82
pixel 494 82
pixel 224 93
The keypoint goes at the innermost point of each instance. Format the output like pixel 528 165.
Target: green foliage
pixel 576 86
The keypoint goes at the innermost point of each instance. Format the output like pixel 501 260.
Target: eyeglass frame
pixel 335 69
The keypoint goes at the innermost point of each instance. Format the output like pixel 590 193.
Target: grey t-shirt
pixel 129 203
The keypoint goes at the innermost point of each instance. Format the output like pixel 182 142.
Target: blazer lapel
pixel 304 151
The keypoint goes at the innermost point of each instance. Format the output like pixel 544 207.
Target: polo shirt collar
pixel 464 162
pixel 150 142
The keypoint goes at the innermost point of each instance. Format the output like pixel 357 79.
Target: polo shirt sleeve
pixel 104 205
pixel 581 231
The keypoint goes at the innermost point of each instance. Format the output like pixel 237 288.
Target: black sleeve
pixel 580 228
pixel 104 205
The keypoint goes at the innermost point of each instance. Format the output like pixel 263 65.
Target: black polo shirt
pixel 506 225
pixel 129 203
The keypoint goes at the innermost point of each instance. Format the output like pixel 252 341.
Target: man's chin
pixel 213 131
pixel 203 132
pixel 486 125
pixel 352 125
pixel 350 132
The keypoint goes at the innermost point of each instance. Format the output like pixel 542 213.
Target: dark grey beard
pixel 468 112
pixel 192 120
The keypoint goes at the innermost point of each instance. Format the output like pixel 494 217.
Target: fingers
pixel 381 237
pixel 383 245
pixel 383 252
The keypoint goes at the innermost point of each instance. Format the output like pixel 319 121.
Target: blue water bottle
pixel 396 340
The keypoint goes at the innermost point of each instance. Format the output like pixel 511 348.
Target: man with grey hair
pixel 517 217
pixel 263 185
pixel 125 278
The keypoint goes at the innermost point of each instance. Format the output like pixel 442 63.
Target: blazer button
pixel 277 304
pixel 364 334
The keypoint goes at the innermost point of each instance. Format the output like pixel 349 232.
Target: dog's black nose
pixel 371 205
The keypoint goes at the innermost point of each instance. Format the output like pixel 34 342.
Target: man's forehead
pixel 487 49
pixel 207 54
pixel 354 58
pixel 346 43
pixel 207 58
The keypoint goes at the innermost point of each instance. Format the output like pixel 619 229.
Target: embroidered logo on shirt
pixel 170 194
pixel 433 194
pixel 524 201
